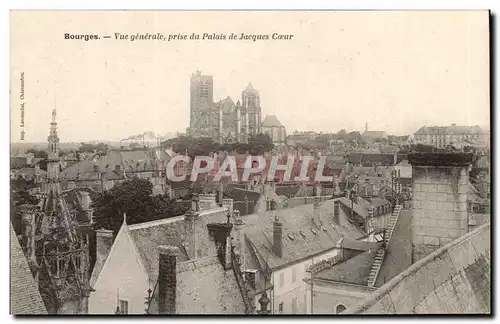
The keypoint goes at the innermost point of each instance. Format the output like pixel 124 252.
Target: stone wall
pixel 455 279
pixel 439 207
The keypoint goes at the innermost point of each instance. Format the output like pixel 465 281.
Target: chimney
pixel 440 183
pixel 370 226
pixel 229 204
pixel 336 212
pixel 104 241
pixel 316 211
pixel 395 158
pixel 240 238
pixel 278 236
pixel 191 229
pixel 195 203
pixel 167 279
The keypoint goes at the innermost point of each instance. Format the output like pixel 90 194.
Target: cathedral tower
pixel 251 111
pixel 204 119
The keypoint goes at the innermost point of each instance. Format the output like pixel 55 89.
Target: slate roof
pixel 288 191
pixel 25 298
pixel 374 134
pixel 354 271
pixel 449 130
pixel 398 253
pixel 171 231
pixel 270 121
pixel 308 238
pixel 347 203
pixel 30 172
pixel 203 287
pixel 250 88
pixel 227 105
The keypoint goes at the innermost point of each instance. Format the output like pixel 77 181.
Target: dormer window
pixel 313 231
pixel 290 236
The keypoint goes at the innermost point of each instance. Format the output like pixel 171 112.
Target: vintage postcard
pixel 250 162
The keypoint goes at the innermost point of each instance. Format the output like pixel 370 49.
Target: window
pixel 294 305
pixel 294 274
pixel 282 279
pixel 280 307
pixel 340 308
pixel 123 306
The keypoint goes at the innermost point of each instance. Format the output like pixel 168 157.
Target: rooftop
pixel 25 298
pixel 453 279
pixel 302 237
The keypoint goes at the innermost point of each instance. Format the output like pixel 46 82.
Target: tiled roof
pixel 25 297
pixel 271 120
pixel 307 238
pixel 354 271
pixel 203 287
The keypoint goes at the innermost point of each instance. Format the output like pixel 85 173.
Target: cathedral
pixel 223 121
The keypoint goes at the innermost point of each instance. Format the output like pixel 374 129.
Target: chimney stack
pixel 104 241
pixel 336 211
pixel 167 279
pixel 229 204
pixel 190 226
pixel 316 211
pixel 278 236
pixel 440 183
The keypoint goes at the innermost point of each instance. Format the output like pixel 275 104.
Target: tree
pixel 341 134
pixel 260 143
pixel 134 198
pixel 41 154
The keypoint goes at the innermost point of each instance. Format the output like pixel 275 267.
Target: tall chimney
pixel 316 212
pixel 440 183
pixel 240 238
pixel 336 212
pixel 167 279
pixel 104 241
pixel 278 236
pixel 191 228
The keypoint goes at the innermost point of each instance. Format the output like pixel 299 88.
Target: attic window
pixel 290 237
pixel 312 230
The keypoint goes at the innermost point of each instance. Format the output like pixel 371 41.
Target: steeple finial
pixel 125 218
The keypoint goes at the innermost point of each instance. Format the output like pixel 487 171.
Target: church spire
pixel 53 150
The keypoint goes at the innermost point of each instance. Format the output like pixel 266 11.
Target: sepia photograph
pixel 252 163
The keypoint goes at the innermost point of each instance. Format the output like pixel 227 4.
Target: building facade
pixel 458 136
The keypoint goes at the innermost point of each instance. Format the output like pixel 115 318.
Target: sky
pixel 396 71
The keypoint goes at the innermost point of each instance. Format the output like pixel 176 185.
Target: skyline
pixel 397 71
